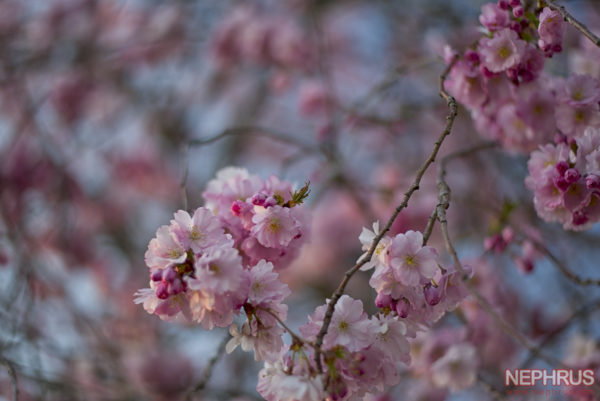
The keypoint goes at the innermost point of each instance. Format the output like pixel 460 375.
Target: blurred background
pixel 116 113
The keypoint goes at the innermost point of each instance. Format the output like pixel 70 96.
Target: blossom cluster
pixel 502 81
pixel 207 266
pixel 360 354
pixel 503 84
pixel 409 279
pixel 565 180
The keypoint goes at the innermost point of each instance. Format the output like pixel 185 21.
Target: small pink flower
pixel 197 232
pixel 164 250
pixel 505 50
pixel 551 30
pixel 580 90
pixel 274 226
pixel 493 17
pixel 457 369
pixel 411 262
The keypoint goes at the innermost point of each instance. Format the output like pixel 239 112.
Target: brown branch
pixel 445 160
pixel 209 368
pixel 573 21
pixel 407 195
pixel 12 373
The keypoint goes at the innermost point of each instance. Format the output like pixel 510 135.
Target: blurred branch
pixel 451 102
pixel 256 131
pixel 493 391
pixel 294 336
pixel 573 21
pixel 209 368
pixel 562 267
pixel 12 373
pixel 582 312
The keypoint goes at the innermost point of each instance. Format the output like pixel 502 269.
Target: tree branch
pixel 451 102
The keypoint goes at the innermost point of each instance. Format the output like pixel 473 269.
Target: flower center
pixel 274 225
pixel 343 325
pixel 196 234
pixel 410 261
pixel 174 253
pixel 504 52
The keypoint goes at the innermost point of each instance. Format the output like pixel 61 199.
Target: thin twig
pixel 12 373
pixel 407 195
pixel 573 21
pixel 583 311
pixel 445 160
pixel 255 131
pixel 209 368
pixel 494 392
pixel 295 336
pixel 562 267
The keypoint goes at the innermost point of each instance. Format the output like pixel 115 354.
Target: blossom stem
pixel 295 336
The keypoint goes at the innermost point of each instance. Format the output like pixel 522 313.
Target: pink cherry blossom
pixel 411 262
pixel 503 51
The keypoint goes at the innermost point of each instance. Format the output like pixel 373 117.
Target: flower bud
pixel 592 181
pixel 403 307
pixel 383 300
pixel 162 291
pixel 433 295
pixel 156 275
pixel 572 175
pixel 562 167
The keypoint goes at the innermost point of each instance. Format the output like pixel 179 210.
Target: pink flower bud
pixel 572 175
pixel 170 275
pixel 562 167
pixel 503 4
pixel 561 184
pixel 383 300
pixel 515 3
pixel 162 291
pixel 403 307
pixel 259 199
pixel 156 275
pixel 518 11
pixel 592 181
pixel 236 207
pixel 433 295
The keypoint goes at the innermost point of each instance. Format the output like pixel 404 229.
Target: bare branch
pixel 255 131
pixel 563 267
